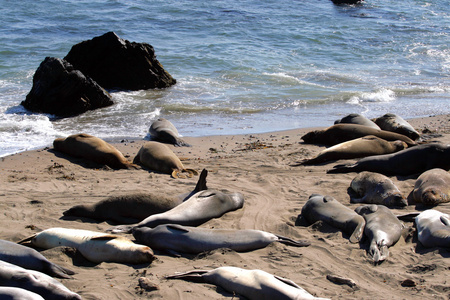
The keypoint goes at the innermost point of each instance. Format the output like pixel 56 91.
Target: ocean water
pixel 241 66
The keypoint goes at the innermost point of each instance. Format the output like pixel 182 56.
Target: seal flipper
pixel 291 242
pixel 58 271
pixel 343 168
pixel 26 241
pixel 379 251
pixel 201 183
pixel 195 275
pixel 121 228
pixel 358 232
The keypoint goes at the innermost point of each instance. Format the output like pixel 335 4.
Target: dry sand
pixel 37 186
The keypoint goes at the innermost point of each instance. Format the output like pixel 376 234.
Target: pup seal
pixel 374 188
pixel 433 228
pixel 332 212
pixel 360 147
pixel 92 148
pixel 432 187
pixel 382 228
pixel 185 239
pixel 252 284
pixel 357 119
pixel 34 281
pixel 163 130
pixel 395 123
pixel 340 133
pixel 196 210
pixel 159 157
pixel 29 258
pixel 410 161
pixel 96 247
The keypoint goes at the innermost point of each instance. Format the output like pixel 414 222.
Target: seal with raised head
pixel 375 188
pixel 15 293
pixel 433 228
pixel 382 228
pixel 201 207
pixel 34 281
pixel 163 130
pixel 357 119
pixel 29 258
pixel 432 187
pixel 129 209
pixel 411 161
pixel 96 247
pixel 92 148
pixel 395 123
pixel 186 239
pixel 159 157
pixel 335 214
pixel 340 133
pixel 252 284
pixel 361 147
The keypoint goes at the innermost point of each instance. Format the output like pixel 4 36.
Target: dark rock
pixel 61 90
pixel 118 64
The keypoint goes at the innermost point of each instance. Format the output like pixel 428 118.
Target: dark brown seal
pixel 163 130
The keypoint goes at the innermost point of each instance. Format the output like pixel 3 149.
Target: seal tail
pixel 181 143
pixel 291 242
pixel 194 275
pixel 58 271
pixel 379 251
pixel 201 183
pixel 121 229
pixel 342 169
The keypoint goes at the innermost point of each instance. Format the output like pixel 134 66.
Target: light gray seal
pixel 375 188
pixel 411 161
pixel 395 123
pixel 433 228
pixel 201 207
pixel 357 119
pixel 252 284
pixel 163 130
pixel 432 187
pixel 14 293
pixel 186 239
pixel 332 212
pixel 382 228
pixel 29 258
pixel 34 281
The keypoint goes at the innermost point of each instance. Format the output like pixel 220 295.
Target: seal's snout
pixel 431 197
pixel 397 200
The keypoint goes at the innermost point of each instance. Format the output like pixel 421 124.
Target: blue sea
pixel 241 66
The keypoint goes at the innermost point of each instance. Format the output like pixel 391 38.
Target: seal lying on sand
pixel 410 161
pixel 185 239
pixel 252 284
pixel 96 247
pixel 129 209
pixel 159 157
pixel 163 130
pixel 357 119
pixel 29 258
pixel 382 228
pixel 332 212
pixel 433 228
pixel 395 123
pixel 196 210
pixel 14 293
pixel 432 187
pixel 34 281
pixel 361 147
pixel 340 133
pixel 92 148
pixel 376 188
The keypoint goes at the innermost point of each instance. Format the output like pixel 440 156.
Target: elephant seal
pixel 92 148
pixel 34 281
pixel 196 210
pixel 252 284
pixel 432 187
pixel 374 188
pixel 410 161
pixel 433 228
pixel 129 209
pixel 340 133
pixel 357 119
pixel 361 147
pixel 159 157
pixel 185 239
pixel 395 123
pixel 382 228
pixel 332 212
pixel 96 247
pixel 29 258
pixel 14 293
pixel 163 130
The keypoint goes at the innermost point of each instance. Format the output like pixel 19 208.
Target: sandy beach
pixel 39 185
